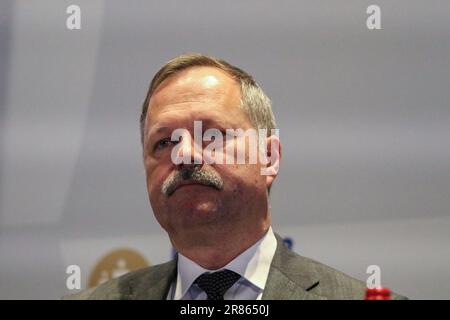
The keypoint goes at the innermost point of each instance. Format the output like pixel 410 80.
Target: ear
pixel 273 153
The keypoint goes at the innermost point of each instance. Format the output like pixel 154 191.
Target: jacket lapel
pixel 280 287
pixel 153 284
pixel 290 278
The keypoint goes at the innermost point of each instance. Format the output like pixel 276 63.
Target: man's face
pixel 238 195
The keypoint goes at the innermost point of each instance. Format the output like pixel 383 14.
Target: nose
pixel 190 152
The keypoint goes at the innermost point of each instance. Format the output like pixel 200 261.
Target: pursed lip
pixel 189 183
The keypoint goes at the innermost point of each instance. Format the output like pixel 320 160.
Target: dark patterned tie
pixel 217 283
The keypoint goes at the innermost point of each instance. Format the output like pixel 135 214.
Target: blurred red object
pixel 379 293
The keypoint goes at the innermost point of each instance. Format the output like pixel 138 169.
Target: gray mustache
pixel 194 174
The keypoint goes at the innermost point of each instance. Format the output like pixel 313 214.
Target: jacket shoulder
pixel 334 284
pixel 131 285
pixel 319 279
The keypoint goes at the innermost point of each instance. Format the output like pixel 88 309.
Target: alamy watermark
pixel 374 280
pixel 229 146
pixel 73 281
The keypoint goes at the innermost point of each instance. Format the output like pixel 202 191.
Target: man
pixel 216 213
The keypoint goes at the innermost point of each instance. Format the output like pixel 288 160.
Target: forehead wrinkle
pixel 175 114
pixel 164 100
pixel 169 117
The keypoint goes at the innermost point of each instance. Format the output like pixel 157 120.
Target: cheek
pixel 155 175
pixel 239 177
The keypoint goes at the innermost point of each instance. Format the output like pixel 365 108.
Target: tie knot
pixel 217 283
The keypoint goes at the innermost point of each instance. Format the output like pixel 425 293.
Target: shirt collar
pixel 253 264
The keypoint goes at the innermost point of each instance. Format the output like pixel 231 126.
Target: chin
pixel 194 204
pixel 206 207
pixel 199 212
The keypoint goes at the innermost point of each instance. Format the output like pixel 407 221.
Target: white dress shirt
pixel 252 265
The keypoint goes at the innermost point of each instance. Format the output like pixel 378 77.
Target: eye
pixel 163 143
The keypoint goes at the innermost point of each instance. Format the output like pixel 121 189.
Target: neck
pixel 219 246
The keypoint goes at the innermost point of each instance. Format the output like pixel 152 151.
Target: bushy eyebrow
pixel 153 131
pixel 158 129
pixel 214 121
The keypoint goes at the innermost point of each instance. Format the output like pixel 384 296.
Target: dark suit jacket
pixel 291 277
